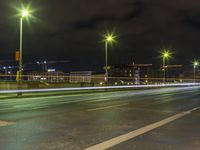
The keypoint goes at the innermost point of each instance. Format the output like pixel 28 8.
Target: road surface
pixel 152 119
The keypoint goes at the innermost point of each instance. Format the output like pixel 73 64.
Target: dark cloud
pixel 192 20
pixel 93 21
pixel 71 29
pixel 136 10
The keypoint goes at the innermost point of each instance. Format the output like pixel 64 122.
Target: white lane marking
pixel 98 100
pixel 122 138
pixel 5 123
pixel 22 105
pixel 107 107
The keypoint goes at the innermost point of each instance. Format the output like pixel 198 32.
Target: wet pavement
pixel 79 121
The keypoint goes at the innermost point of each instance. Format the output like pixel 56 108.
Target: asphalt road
pixel 153 119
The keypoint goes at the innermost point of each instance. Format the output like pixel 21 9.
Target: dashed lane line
pixel 107 107
pixel 5 123
pixel 98 100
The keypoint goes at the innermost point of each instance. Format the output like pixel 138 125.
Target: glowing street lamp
pixel 24 13
pixel 109 38
pixel 166 54
pixel 195 65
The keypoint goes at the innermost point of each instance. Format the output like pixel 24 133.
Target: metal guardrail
pixel 97 88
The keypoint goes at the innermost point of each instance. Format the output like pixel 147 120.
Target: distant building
pixel 98 78
pixel 189 75
pixel 174 72
pixel 48 77
pixel 80 77
pixel 134 73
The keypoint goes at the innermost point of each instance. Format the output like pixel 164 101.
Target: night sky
pixel 72 30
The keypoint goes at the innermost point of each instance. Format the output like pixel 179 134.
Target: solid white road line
pixel 5 123
pixel 107 107
pixel 117 140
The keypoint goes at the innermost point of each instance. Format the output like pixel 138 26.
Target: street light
pixel 166 54
pixel 24 13
pixel 195 65
pixel 109 38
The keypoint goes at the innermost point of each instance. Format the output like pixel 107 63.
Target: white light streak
pixel 98 88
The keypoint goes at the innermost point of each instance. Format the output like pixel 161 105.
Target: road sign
pixel 17 55
pixel 108 67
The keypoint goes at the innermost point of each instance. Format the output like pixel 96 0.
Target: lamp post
pixel 195 65
pixel 24 13
pixel 108 39
pixel 165 55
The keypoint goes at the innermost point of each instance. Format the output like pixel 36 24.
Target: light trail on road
pixel 97 88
